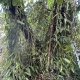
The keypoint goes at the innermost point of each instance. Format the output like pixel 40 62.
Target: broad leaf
pixel 50 2
pixel 2 15
pixel 28 72
pixel 66 60
pixel 61 68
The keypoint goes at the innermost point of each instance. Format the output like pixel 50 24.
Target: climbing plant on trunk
pixel 39 39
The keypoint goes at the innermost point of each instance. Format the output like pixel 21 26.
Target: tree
pixel 39 39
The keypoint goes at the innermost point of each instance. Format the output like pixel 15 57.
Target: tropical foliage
pixel 39 35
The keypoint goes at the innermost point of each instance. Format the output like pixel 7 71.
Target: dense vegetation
pixel 39 35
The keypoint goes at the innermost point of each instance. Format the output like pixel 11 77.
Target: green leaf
pixel 17 65
pixel 60 77
pixel 72 68
pixel 32 68
pixel 59 1
pixel 20 22
pixel 66 60
pixel 67 20
pixel 14 2
pixel 61 68
pixel 2 15
pixel 67 72
pixel 27 79
pixel 28 72
pixel 31 1
pixel 50 2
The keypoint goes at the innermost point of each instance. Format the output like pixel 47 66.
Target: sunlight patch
pixel 79 16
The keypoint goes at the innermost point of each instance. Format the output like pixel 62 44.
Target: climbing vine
pixel 39 38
